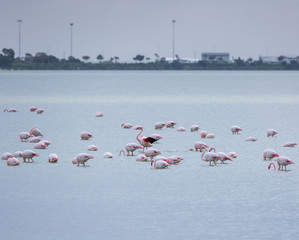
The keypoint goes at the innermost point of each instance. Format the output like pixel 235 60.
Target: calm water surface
pixel 123 199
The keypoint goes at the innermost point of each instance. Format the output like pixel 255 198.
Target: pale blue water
pixel 123 199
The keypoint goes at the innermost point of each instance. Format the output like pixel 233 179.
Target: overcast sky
pixel 125 28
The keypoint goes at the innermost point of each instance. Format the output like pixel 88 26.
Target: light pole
pixel 19 21
pixel 71 24
pixel 173 40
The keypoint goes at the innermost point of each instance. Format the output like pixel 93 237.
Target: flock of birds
pixel 151 154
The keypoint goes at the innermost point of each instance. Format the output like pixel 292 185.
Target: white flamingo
pixel 269 153
pixel 271 132
pixel 210 157
pixel 53 158
pixel 130 147
pixel 82 158
pixel 86 135
pixel 282 161
pixel 13 162
pixel 159 125
pixel 236 129
pixel 29 154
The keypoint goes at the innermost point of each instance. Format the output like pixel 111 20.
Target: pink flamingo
pixel 210 157
pixel 141 158
pixel 159 125
pixel 99 114
pixel 86 135
pixel 152 153
pixel 235 129
pixel 29 154
pixel 92 148
pixel 232 154
pixel 108 155
pixel 6 156
pixel 251 139
pixel 289 144
pixel 156 136
pixel 224 157
pixel 269 153
pixel 282 161
pixel 35 140
pixel 24 136
pixel 82 158
pixel 32 109
pixel 53 158
pixel 13 162
pixel 126 125
pixel 181 129
pixel 40 145
pixel 170 124
pixel 159 164
pixel 194 128
pixel 130 147
pixel 40 111
pixel 145 141
pixel 175 159
pixel 211 135
pixel 35 132
pixel 18 154
pixel 203 134
pixel 200 146
pixel 271 132
pixel 137 127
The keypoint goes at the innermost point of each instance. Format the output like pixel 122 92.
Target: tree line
pixel 43 61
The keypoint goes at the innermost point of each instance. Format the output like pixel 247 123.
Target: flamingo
pixel 108 155
pixel 210 157
pixel 200 146
pixel 10 110
pixel 137 127
pixel 18 154
pixel 170 124
pixel 271 132
pixel 194 128
pixel 157 158
pixel 6 156
pixel 232 154
pixel 159 125
pixel 35 132
pixel 156 136
pixel 130 147
pixel 282 161
pixel 35 140
pixel 86 135
pixel 82 158
pixel 181 129
pixel 269 153
pixel 24 136
pixel 145 141
pixel 175 159
pixel 99 114
pixel 32 109
pixel 289 144
pixel 29 154
pixel 159 164
pixel 40 145
pixel 40 111
pixel 13 162
pixel 152 152
pixel 92 148
pixel 211 135
pixel 141 158
pixel 53 158
pixel 203 134
pixel 251 139
pixel 126 125
pixel 45 142
pixel 224 157
pixel 235 129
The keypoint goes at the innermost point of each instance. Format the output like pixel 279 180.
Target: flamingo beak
pixel 290 162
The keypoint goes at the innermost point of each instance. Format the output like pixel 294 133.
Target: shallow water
pixel 123 199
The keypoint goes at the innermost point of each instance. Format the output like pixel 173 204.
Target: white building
pixel 215 57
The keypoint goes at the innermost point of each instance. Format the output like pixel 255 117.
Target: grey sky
pixel 125 28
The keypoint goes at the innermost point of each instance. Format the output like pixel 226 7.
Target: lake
pixel 120 198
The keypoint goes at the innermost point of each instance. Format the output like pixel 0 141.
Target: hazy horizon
pixel 125 28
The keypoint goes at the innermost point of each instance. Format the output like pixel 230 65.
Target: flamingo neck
pixel 137 137
pixel 202 155
pixel 269 167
